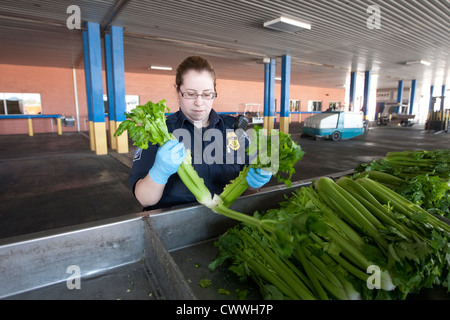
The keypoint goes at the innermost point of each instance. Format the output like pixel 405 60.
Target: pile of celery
pixel 343 232
pixel 146 124
pixel 422 177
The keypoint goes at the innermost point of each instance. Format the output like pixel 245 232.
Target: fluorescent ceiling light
pixel 424 62
pixel 278 78
pixel 287 25
pixel 160 68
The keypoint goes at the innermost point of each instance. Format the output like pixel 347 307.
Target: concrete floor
pixel 50 181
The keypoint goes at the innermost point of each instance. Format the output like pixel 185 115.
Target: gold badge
pixel 232 141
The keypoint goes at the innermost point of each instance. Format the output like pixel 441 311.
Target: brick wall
pixel 57 94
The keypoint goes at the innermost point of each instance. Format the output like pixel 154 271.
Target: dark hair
pixel 194 63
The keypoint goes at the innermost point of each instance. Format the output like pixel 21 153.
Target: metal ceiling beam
pixel 109 18
pixel 120 4
pixel 23 18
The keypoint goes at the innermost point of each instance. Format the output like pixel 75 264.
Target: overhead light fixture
pixel 160 68
pixel 278 78
pixel 423 62
pixel 287 25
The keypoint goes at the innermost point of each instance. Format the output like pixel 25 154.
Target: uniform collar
pixel 214 120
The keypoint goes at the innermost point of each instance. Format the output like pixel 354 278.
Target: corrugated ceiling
pixel 231 34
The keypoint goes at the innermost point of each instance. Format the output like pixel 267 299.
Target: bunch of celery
pixel 422 177
pixel 261 149
pixel 147 124
pixel 412 245
pixel 254 257
pixel 325 261
pixel 340 230
pixel 407 164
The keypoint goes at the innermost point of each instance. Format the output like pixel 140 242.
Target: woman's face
pixel 196 83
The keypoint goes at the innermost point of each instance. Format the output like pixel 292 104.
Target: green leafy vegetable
pixel 224 292
pixel 146 124
pixel 422 177
pixel 205 283
pixel 275 152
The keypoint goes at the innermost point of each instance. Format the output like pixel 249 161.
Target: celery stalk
pixel 401 204
pixel 328 214
pixel 261 271
pixel 369 202
pixel 311 273
pixel 235 188
pixel 283 271
pixel 384 177
pixel 351 208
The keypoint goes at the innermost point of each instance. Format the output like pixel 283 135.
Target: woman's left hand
pixel 258 178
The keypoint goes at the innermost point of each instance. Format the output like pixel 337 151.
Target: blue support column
pixel 366 94
pixel 118 68
pixel 266 90
pixel 96 87
pixel 399 96
pixel 269 94
pixel 87 76
pixel 413 96
pixel 431 105
pixel 443 98
pixel 352 90
pixel 110 91
pixel 285 93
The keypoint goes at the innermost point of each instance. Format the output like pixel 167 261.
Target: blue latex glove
pixel 168 159
pixel 257 178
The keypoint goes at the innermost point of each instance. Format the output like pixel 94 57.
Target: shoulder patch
pixel 137 154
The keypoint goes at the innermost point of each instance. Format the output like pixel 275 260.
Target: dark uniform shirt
pixel 218 155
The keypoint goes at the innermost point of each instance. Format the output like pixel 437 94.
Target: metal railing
pixel 37 116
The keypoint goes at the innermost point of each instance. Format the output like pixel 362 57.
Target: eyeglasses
pixel 192 95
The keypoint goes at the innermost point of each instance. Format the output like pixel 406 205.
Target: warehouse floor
pixel 50 181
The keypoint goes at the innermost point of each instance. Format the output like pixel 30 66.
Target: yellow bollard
pixel 30 127
pixel 58 122
pixel 91 135
pixel 284 125
pixel 112 130
pixel 121 141
pixel 269 123
pixel 101 142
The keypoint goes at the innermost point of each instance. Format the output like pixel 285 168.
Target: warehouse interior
pixel 55 182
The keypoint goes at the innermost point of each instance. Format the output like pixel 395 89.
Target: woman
pixel 209 136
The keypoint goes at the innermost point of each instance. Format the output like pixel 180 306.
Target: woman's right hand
pixel 168 159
